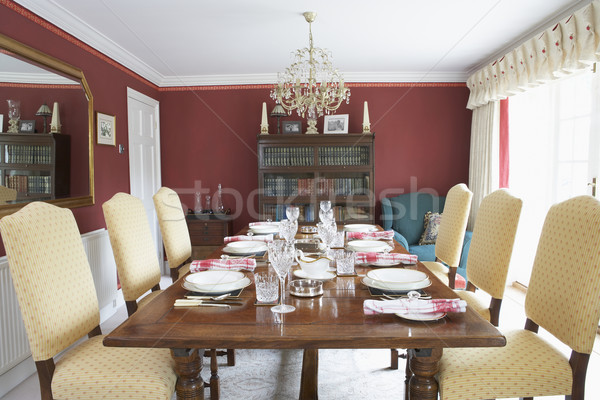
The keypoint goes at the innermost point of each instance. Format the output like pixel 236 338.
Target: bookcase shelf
pixel 305 169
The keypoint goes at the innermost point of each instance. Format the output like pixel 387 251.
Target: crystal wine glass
pixel 326 216
pixel 292 212
pixel 281 257
pixel 288 229
pixel 325 205
pixel 327 231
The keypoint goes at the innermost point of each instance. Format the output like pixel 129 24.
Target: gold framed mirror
pixel 79 192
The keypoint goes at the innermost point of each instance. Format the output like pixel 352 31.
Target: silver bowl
pixel 306 287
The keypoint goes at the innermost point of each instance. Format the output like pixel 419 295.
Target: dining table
pixel 333 320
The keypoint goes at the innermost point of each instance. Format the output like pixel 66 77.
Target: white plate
pixel 245 247
pixel 423 316
pixel 222 288
pixel 265 229
pixel 360 228
pixel 214 280
pixel 396 275
pixel 385 263
pixel 382 286
pixel 324 277
pixel 368 246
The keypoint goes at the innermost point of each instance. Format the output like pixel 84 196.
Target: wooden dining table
pixel 333 320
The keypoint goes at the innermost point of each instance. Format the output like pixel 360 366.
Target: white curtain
pixel 570 45
pixel 484 158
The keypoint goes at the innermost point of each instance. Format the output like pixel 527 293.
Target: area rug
pixel 343 374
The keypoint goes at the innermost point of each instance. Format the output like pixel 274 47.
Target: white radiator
pixel 14 347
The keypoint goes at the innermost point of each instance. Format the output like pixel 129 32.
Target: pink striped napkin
pixel 247 264
pixel 264 238
pixel 409 306
pixel 371 257
pixel 385 235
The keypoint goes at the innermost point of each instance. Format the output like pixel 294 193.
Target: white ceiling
pixel 196 42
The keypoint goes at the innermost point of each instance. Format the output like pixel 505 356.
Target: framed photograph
pixel 105 129
pixel 27 125
pixel 336 123
pixel 291 127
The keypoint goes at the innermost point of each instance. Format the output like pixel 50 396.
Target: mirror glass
pixel 47 158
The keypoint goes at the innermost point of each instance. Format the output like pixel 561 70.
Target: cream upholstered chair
pixel 562 298
pixel 448 245
pixel 56 294
pixel 178 246
pixel 7 194
pixel 491 250
pixel 133 249
pixel 174 230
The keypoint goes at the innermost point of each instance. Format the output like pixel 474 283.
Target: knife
pixel 196 303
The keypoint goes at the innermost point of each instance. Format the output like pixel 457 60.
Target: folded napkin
pixel 385 235
pixel 264 238
pixel 371 257
pixel 262 223
pixel 247 264
pixel 413 306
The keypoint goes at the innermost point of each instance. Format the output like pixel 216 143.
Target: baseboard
pixel 16 375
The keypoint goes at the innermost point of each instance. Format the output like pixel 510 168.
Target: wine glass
pixel 326 216
pixel 288 229
pixel 292 212
pixel 325 205
pixel 281 257
pixel 327 231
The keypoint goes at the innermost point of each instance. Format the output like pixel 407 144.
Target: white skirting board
pixel 15 358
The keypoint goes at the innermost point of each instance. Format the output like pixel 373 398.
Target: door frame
pixel 155 104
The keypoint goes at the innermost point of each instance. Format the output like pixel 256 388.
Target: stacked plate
pixel 360 228
pixel 265 229
pixel 375 246
pixel 395 279
pixel 245 248
pixel 216 281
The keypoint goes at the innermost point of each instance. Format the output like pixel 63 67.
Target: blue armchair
pixel 404 214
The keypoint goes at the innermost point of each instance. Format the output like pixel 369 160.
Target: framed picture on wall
pixel 105 129
pixel 27 126
pixel 291 127
pixel 336 123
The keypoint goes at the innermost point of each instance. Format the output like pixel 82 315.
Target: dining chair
pixel 174 230
pixel 177 243
pixel 448 246
pixel 563 298
pixel 490 253
pixel 56 294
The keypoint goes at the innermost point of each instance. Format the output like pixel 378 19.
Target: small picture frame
pixel 106 129
pixel 336 123
pixel 27 126
pixel 291 127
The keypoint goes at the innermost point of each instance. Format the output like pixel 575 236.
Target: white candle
pixel 264 114
pixel 366 115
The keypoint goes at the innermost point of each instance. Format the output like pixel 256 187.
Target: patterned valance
pixel 570 45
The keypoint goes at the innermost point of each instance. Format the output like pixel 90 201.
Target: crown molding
pixel 63 19
pixel 39 79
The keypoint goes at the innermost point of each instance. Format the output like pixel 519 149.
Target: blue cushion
pixel 425 252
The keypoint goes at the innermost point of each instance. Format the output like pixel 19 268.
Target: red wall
pixel 422 133
pixel 422 136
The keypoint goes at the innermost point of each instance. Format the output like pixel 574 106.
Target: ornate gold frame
pixel 77 74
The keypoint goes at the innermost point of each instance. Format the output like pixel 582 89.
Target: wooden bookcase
pixel 304 169
pixel 36 165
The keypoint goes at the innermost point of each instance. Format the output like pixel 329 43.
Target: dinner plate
pixel 394 276
pixel 423 316
pixel 221 289
pixel 360 228
pixel 385 263
pixel 368 246
pixel 245 247
pixel 265 228
pixel 382 286
pixel 213 280
pixel 323 277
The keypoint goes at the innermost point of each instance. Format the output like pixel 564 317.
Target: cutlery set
pixel 208 301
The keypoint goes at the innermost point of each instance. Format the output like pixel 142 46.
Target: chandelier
pixel 311 85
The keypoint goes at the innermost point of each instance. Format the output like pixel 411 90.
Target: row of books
pixel 344 155
pixel 27 154
pixel 288 156
pixel 281 186
pixel 31 184
pixel 276 212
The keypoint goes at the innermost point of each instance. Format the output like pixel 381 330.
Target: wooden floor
pixel 512 316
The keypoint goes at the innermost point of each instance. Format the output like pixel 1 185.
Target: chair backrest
pixel 492 242
pixel 405 213
pixel 453 226
pixel 51 276
pixel 564 290
pixel 173 227
pixel 7 194
pixel 132 244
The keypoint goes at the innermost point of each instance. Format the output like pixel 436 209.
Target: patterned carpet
pixel 343 374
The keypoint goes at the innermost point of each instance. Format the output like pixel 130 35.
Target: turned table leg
pixel 188 366
pixel 424 364
pixel 310 374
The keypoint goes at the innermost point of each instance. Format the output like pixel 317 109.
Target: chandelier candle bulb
pixel 264 125
pixel 366 122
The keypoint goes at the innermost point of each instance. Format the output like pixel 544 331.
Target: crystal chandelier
pixel 311 85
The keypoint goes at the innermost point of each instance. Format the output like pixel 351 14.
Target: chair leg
pixel 408 375
pixel 231 357
pixel 215 391
pixel 394 360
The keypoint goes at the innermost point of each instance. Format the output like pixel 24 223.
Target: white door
pixel 144 157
